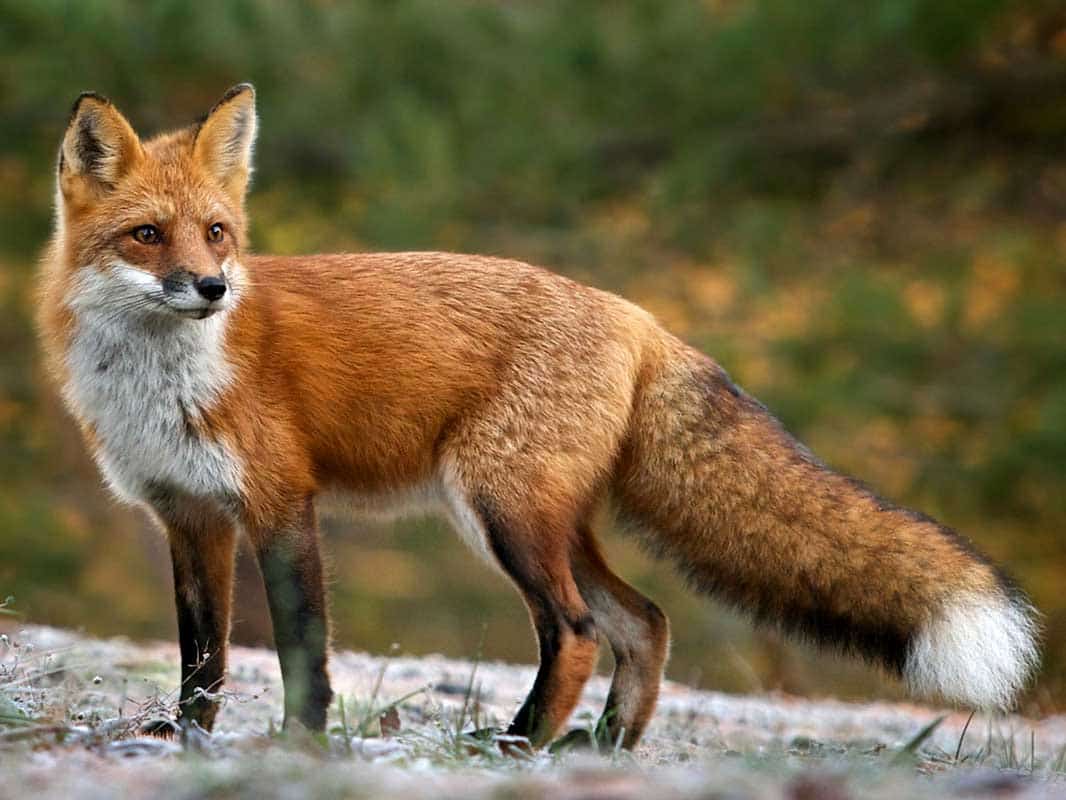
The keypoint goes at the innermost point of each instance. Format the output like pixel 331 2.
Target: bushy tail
pixel 752 517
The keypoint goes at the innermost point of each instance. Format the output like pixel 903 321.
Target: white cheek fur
pixel 138 376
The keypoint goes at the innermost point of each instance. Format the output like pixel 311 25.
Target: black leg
pixel 203 550
pixel 292 571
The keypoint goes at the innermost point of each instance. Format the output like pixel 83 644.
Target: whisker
pixel 124 265
pixel 240 283
pixel 126 305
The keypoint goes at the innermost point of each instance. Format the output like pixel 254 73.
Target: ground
pixel 71 707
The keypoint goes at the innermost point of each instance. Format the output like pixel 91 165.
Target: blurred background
pixel 858 208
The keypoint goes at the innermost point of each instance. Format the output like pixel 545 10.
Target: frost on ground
pixel 71 708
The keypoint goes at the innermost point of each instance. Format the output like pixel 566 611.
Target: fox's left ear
pixel 224 141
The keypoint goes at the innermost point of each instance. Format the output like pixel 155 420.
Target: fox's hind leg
pixel 535 554
pixel 639 635
pixel 526 465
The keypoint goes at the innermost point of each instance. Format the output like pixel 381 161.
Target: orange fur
pixel 515 399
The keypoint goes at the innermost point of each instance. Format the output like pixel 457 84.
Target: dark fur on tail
pixel 714 481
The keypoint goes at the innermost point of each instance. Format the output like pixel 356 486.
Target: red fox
pixel 223 391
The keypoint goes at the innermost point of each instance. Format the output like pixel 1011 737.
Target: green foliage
pixel 853 206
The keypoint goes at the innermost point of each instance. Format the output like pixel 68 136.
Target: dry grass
pixel 71 708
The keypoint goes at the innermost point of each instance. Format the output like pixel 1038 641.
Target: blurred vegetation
pixel 858 208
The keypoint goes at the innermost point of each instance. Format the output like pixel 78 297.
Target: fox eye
pixel 215 233
pixel 147 234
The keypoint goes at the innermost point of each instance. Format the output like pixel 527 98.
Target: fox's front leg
pixel 202 549
pixel 289 559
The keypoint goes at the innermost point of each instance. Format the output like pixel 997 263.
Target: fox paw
pixel 579 739
pixel 509 744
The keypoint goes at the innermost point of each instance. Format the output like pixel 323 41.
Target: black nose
pixel 211 288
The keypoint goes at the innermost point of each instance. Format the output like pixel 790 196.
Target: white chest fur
pixel 141 381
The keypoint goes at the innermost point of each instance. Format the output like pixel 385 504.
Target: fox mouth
pixel 174 306
pixel 190 306
pixel 196 313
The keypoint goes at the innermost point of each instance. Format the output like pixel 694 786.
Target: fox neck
pixel 142 381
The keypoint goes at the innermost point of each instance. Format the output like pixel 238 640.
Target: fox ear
pixel 98 148
pixel 225 138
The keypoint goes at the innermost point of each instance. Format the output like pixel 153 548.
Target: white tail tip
pixel 979 651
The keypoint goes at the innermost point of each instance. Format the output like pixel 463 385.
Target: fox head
pixel 155 227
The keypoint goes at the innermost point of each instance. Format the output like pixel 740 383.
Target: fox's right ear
pixel 98 148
